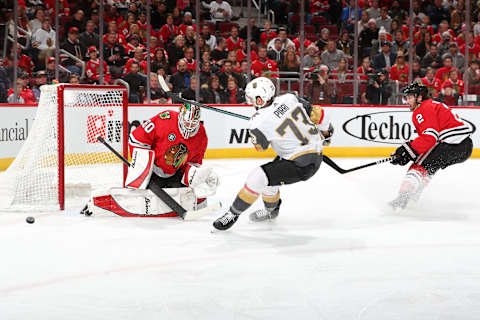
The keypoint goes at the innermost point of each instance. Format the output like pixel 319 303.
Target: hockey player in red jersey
pixel 443 140
pixel 167 150
pixel 178 140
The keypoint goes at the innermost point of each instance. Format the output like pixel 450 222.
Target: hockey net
pixel 61 158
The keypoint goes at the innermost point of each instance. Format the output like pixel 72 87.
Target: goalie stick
pixel 165 197
pixel 327 159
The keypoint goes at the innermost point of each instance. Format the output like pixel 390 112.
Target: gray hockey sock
pixel 239 205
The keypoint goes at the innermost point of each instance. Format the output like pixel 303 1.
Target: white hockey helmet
pixel 189 120
pixel 262 88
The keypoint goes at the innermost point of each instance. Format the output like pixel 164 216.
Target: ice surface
pixel 334 252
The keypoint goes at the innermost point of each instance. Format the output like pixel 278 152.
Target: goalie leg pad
pixel 139 203
pixel 140 170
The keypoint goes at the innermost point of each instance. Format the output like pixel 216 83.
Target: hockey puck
pixel 30 219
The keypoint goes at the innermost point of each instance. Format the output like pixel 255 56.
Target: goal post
pixel 61 158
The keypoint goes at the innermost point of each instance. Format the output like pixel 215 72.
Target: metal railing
pixel 271 16
pixel 71 56
pixel 27 33
pixel 123 83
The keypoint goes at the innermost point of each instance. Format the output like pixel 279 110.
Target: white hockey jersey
pixel 286 125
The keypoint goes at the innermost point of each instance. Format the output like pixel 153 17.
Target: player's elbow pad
pixel 141 168
pixel 317 114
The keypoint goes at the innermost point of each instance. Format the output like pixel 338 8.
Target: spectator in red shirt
pixel 442 73
pixel 242 53
pixel 125 25
pixel 187 21
pixel 188 59
pixel 268 34
pixel 25 95
pixel 142 25
pixel 473 48
pixel 234 42
pixel 133 44
pixel 448 95
pixel 263 64
pixel 433 84
pixel 92 69
pixel 442 27
pixel 168 31
pixel 119 38
pixel 457 84
pixel 24 62
pixel 138 57
pixel 399 70
pixel 112 14
pixel 365 69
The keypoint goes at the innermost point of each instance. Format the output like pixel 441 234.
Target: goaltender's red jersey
pixel 160 133
pixel 435 122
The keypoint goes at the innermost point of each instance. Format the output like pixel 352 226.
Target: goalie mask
pixel 189 120
pixel 259 92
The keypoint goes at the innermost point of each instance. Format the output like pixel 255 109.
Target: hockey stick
pixel 165 197
pixel 335 167
pixel 176 97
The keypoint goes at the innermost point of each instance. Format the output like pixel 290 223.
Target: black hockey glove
pixel 404 154
pixel 327 135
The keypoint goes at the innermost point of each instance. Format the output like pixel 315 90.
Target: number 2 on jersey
pixel 289 123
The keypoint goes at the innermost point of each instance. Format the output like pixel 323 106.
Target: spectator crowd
pixel 437 48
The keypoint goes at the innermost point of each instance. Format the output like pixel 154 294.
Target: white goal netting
pixel 32 180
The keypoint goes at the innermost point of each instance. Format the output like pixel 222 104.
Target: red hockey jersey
pixel 436 123
pixel 92 71
pixel 161 134
pixel 234 44
pixel 258 68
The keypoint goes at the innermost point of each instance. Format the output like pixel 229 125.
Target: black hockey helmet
pixel 417 88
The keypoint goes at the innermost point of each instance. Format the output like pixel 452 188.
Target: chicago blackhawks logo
pixel 176 155
pixel 164 115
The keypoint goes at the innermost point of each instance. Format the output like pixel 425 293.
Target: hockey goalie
pixel 166 150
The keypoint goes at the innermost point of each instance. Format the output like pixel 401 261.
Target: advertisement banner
pixel 368 131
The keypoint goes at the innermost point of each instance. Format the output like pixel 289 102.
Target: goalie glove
pixel 404 154
pixel 203 180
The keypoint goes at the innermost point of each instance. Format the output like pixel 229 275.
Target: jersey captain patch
pixel 172 137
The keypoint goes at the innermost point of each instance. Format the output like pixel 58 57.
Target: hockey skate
pixel 226 221
pixel 400 202
pixel 265 214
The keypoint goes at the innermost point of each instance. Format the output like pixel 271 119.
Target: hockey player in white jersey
pixel 294 129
